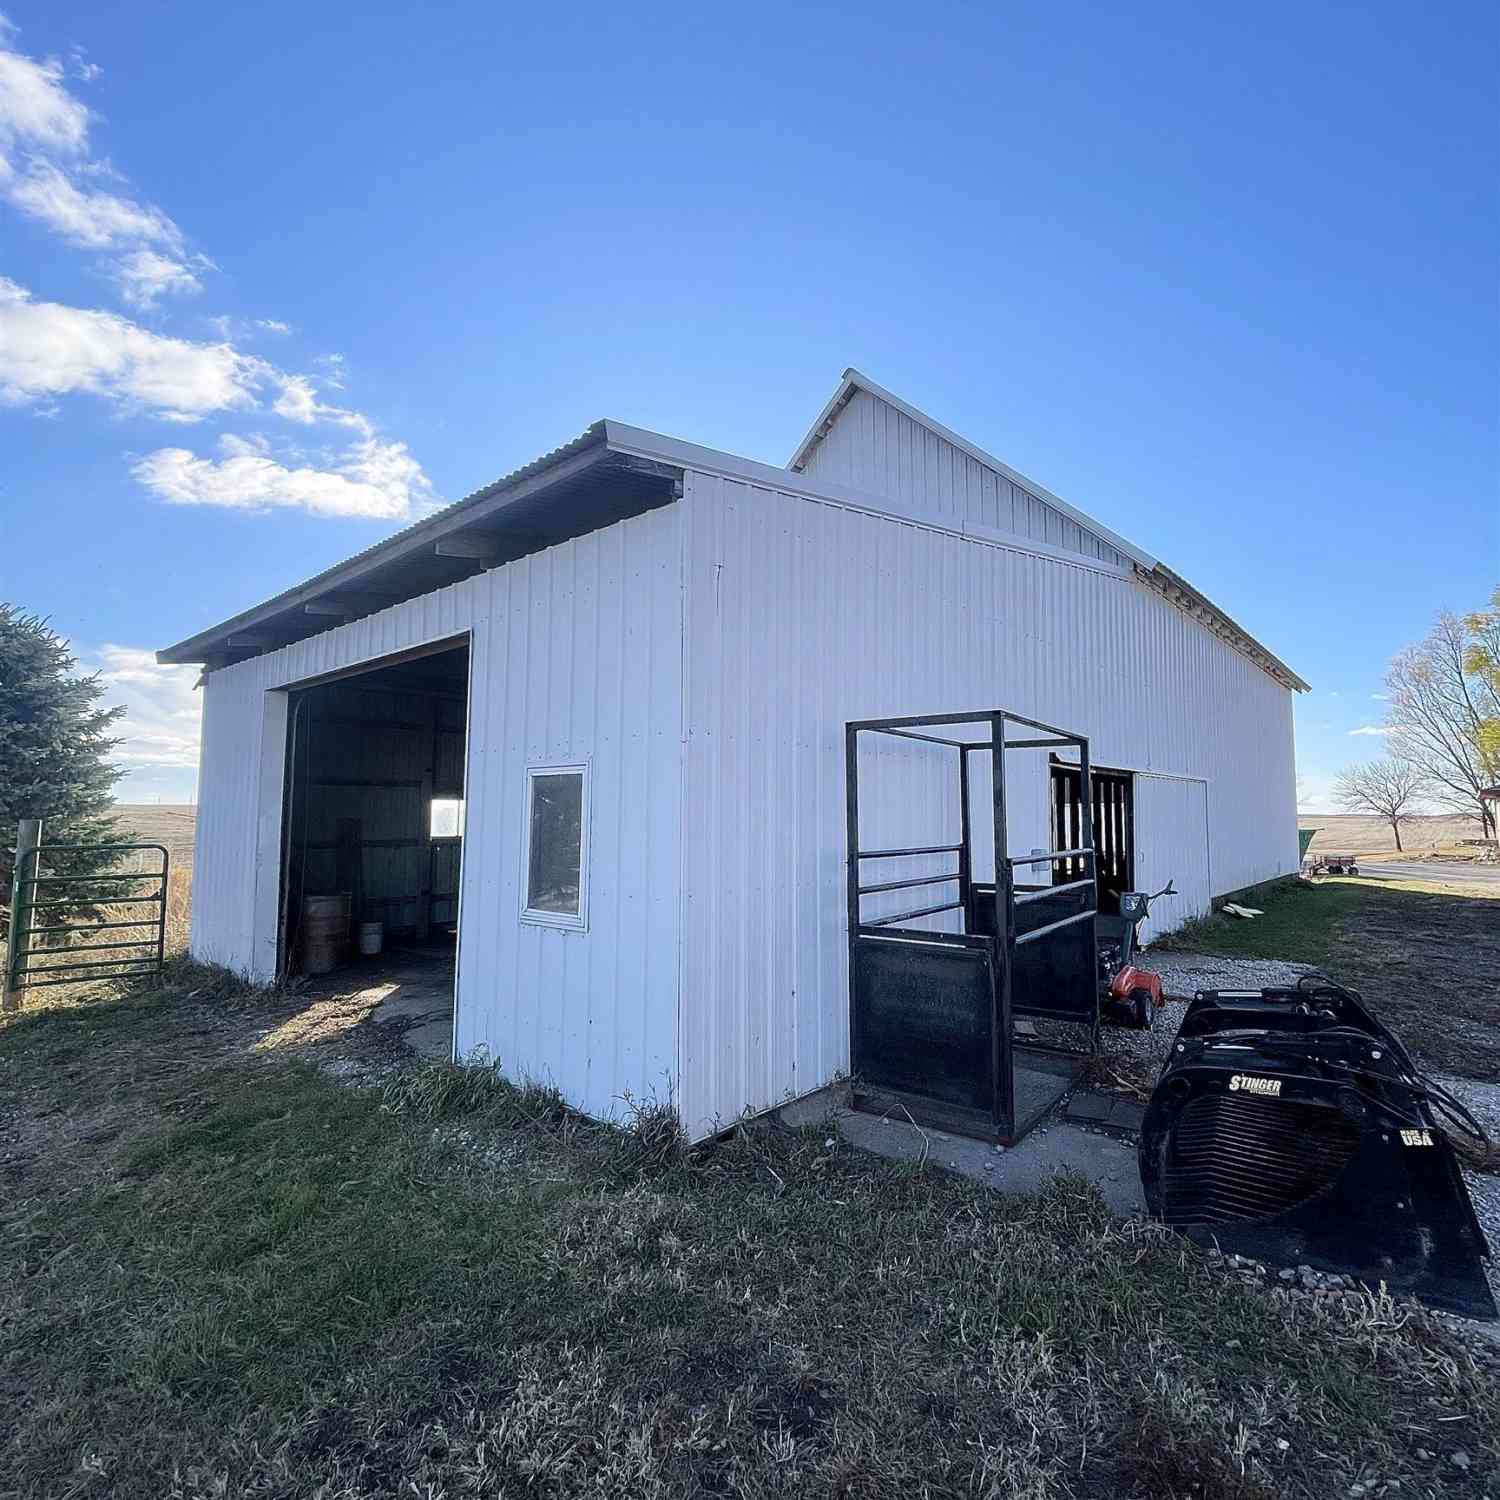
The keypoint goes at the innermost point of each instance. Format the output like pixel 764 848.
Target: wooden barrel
pixel 325 932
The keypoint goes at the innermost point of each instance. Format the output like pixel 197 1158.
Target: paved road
pixel 1438 870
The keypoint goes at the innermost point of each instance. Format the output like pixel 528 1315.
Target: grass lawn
pixel 224 1272
pixel 1425 956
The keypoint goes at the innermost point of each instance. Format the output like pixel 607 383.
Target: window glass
pixel 555 841
pixel 447 817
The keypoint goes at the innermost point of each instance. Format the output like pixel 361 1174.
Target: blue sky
pixel 273 279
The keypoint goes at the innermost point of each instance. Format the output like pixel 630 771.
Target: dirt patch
pixel 1429 965
pixel 91 1069
pixel 1426 957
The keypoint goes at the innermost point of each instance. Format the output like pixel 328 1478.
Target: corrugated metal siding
pixel 1172 843
pixel 802 615
pixel 575 655
pixel 874 447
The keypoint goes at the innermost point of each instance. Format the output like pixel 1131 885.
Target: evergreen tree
pixel 54 749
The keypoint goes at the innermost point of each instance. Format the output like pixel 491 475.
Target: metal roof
pixel 608 472
pixel 575 488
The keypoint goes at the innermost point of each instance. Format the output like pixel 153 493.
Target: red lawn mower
pixel 1129 996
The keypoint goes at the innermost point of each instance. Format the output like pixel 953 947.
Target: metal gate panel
pixel 41 936
pixel 922 1018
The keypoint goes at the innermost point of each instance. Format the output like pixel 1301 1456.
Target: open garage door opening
pixel 373 835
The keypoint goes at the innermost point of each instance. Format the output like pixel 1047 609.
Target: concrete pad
pixel 412 988
pixel 1089 1107
pixel 813 1108
pixel 428 1015
pixel 1126 1114
pixel 1094 1107
pixel 1051 1148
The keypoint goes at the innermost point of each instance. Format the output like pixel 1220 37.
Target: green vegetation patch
pixel 436 1283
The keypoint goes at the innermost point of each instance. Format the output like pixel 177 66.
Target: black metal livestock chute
pixel 1291 1126
pixel 939 992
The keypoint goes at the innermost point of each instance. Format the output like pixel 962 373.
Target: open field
pixel 171 824
pixel 1425 956
pixel 225 1271
pixel 1347 833
pixel 1338 833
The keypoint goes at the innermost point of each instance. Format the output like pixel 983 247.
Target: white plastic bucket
pixel 371 938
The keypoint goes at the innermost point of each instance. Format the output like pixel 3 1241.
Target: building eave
pixel 608 472
pixel 583 483
pixel 1179 591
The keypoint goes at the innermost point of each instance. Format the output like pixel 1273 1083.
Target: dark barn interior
pixel 373 831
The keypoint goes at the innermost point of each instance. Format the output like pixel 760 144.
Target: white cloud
pixel 371 479
pixel 92 220
pixel 48 349
pixel 1370 729
pixel 298 402
pixel 247 328
pixel 144 277
pixel 161 723
pixel 40 119
pixel 334 369
pixel 1314 793
pixel 36 111
pixel 1381 697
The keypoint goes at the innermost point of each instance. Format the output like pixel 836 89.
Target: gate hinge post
pixel 28 837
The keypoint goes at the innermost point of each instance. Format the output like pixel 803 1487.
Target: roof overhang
pixel 608 473
pixel 577 488
pixel 1181 593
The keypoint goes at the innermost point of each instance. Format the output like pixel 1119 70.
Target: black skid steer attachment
pixel 1289 1125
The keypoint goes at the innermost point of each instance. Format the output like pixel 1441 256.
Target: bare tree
pixel 1444 717
pixel 1384 787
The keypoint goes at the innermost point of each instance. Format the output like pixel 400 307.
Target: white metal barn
pixel 591 720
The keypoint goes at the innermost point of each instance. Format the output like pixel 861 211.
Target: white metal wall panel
pixel 874 447
pixel 801 615
pixel 1172 843
pixel 576 654
pixel 1025 810
pixel 926 812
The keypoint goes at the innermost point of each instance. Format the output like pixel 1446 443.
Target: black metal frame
pixel 981 909
pixel 22 953
pixel 1113 794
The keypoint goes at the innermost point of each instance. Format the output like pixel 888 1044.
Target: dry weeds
pixel 441 1285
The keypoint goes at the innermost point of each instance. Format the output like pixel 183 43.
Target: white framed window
pixel 555 864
